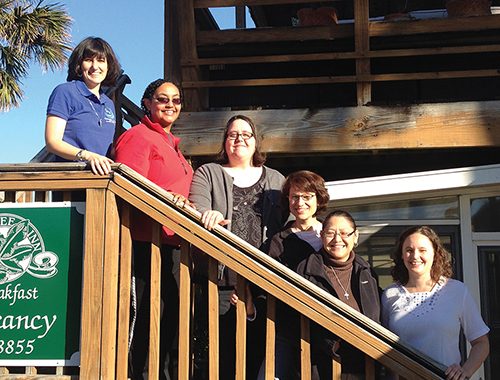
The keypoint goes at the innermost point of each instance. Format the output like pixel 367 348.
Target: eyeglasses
pixel 305 197
pixel 235 135
pixel 165 100
pixel 343 234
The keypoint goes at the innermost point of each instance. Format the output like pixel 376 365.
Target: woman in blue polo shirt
pixel 80 118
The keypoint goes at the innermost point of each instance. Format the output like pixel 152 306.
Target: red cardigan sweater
pixel 147 149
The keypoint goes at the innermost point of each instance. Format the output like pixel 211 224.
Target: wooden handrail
pixel 221 245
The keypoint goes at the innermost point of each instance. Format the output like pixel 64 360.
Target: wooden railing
pixel 362 31
pixel 106 281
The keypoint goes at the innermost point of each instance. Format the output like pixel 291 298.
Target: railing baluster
pixel 67 196
pixel 241 329
pixel 124 301
pixel 270 337
pixel 305 348
pixel 213 319
pixel 41 196
pixel 369 368
pixel 336 369
pixel 9 197
pixel 110 287
pixel 185 313
pixel 154 325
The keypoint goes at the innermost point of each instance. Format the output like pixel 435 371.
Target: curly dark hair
pixel 92 47
pixel 340 214
pixel 441 265
pixel 150 90
pixel 308 182
pixel 258 158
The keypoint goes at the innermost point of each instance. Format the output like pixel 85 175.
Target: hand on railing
pixel 99 164
pixel 182 201
pixel 211 218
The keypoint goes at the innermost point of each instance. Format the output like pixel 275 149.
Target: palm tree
pixel 29 32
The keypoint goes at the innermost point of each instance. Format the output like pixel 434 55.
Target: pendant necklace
pixel 100 118
pixel 346 295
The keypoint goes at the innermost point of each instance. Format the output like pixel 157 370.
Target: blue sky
pixel 134 31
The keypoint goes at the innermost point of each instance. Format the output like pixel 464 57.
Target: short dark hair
pixel 340 214
pixel 441 265
pixel 258 158
pixel 150 90
pixel 92 47
pixel 306 181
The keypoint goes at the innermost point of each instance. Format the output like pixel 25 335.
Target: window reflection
pixel 485 214
pixel 433 208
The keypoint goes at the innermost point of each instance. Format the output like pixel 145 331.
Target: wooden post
pixel 194 98
pixel 241 22
pixel 171 55
pixel 185 313
pixel 270 337
pixel 305 348
pixel 155 303
pixel 241 329
pixel 110 287
pixel 124 300
pixel 213 319
pixel 362 44
pixel 90 363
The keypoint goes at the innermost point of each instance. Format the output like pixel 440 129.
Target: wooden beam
pixel 342 55
pixel 362 45
pixel 321 32
pixel 434 25
pixel 330 32
pixel 443 125
pixel 346 79
pixel 234 3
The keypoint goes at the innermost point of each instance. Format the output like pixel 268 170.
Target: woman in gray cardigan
pixel 239 192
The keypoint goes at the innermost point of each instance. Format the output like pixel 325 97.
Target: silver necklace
pixel 346 295
pixel 100 118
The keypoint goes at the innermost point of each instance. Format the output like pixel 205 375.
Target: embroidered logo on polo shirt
pixel 109 115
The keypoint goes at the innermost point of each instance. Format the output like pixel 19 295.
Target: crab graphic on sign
pixel 22 251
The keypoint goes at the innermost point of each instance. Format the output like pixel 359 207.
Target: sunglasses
pixel 165 100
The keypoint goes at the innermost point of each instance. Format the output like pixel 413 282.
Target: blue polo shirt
pixel 90 121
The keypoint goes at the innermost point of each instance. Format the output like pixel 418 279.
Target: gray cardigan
pixel 212 189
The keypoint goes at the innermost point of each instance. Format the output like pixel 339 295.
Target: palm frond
pixel 10 91
pixel 31 32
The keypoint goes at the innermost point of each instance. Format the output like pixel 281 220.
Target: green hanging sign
pixel 41 250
